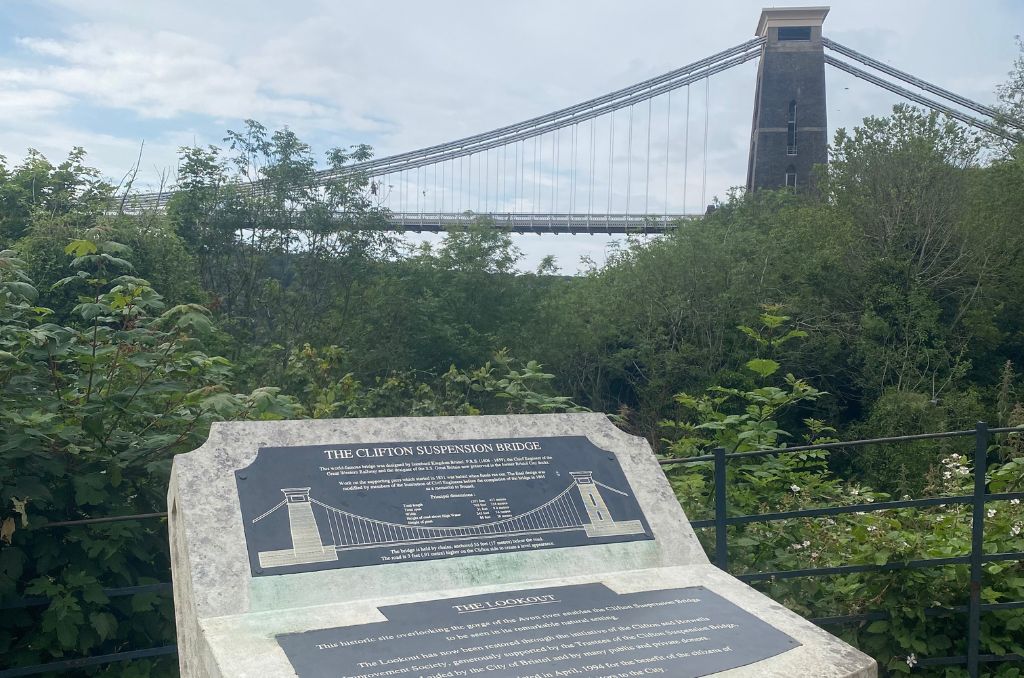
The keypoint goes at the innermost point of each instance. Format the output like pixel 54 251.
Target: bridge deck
pixel 513 222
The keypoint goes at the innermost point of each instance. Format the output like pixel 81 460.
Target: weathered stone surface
pixel 227 619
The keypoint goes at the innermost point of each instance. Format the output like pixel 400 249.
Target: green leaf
pixel 104 624
pixel 80 248
pixel 763 366
pixel 23 290
pixel 67 632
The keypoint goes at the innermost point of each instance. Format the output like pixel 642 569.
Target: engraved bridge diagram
pixel 350 531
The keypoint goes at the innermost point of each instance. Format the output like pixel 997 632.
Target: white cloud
pixel 160 74
pixel 20 103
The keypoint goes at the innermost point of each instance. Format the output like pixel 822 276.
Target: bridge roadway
pixel 517 222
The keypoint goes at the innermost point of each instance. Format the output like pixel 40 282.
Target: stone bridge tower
pixel 789 134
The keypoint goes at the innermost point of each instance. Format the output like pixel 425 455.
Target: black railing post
pixel 977 545
pixel 721 540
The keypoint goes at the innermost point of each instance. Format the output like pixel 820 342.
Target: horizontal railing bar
pixel 88 661
pixel 840 444
pixel 899 565
pixel 928 612
pixel 999 557
pixel 998 607
pixel 853 508
pixel 688 460
pixel 852 569
pixel 876 616
pixel 962 659
pixel 942 661
pixel 35 601
pixel 105 519
pixel 1003 496
pixel 1000 658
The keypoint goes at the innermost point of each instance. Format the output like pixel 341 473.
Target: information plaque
pixel 583 630
pixel 332 506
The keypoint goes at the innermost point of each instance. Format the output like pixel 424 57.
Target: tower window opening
pixel 794 33
pixel 791 129
pixel 791 177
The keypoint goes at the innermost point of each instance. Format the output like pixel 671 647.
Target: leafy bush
pixel 748 420
pixel 91 413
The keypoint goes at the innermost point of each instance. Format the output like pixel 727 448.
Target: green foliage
pixel 501 386
pixel 287 264
pixel 710 423
pixel 91 413
pixel 71 193
pixel 801 480
pixel 1011 97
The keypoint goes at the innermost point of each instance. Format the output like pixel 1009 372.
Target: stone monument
pixel 528 546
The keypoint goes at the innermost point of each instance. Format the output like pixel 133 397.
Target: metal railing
pixel 976 559
pixel 720 524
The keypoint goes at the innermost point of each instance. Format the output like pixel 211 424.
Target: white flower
pixel 871 528
pixel 1015 501
pixel 806 544
pixel 947 474
pixel 911 660
pixel 962 470
pixel 991 513
pixel 794 488
pixel 1016 529
pixel 854 491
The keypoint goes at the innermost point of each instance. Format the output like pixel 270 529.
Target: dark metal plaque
pixel 584 630
pixel 331 506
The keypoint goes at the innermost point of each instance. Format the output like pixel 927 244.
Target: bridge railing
pixel 720 524
pixel 543 222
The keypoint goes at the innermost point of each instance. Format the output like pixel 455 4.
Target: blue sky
pixel 110 74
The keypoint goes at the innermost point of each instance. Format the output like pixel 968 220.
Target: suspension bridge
pixel 621 162
pixel 579 507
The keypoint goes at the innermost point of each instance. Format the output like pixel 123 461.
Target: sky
pixel 110 75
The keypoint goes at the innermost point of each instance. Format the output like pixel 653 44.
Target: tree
pixel 1011 101
pixel 283 253
pixel 70 192
pixel 916 267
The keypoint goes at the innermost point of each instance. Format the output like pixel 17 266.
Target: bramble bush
pixel 746 420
